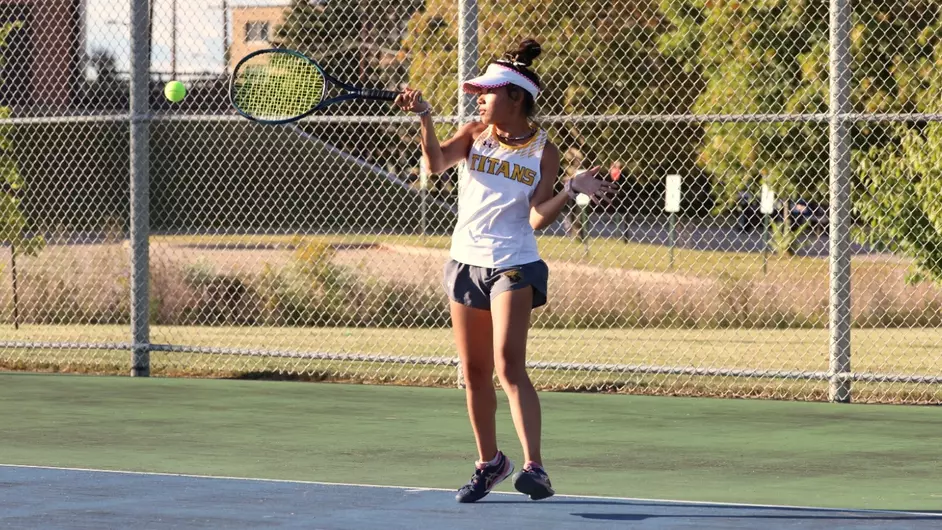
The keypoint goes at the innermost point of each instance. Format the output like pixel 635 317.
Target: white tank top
pixel 495 184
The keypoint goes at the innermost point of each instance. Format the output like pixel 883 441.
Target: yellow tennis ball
pixel 175 91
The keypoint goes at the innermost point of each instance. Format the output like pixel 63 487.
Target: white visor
pixel 498 75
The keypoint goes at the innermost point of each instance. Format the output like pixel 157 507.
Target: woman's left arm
pixel 544 207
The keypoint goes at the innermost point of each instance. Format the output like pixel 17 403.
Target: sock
pixel 493 461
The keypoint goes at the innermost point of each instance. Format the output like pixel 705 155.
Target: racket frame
pixel 353 92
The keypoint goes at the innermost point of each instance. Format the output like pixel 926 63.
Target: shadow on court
pixel 784 517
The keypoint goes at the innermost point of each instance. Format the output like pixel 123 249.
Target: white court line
pixel 413 489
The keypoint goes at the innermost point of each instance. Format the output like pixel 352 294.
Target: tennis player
pixel 495 277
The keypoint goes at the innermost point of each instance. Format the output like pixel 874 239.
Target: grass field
pixel 878 350
pixel 602 252
pixel 912 352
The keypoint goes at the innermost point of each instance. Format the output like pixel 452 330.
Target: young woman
pixel 495 276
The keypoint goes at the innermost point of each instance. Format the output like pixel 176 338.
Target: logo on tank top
pixel 504 168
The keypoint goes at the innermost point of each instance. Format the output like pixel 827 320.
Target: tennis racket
pixel 278 85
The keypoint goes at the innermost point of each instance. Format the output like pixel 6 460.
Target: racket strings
pixel 276 86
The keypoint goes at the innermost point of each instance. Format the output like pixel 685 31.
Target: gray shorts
pixel 477 286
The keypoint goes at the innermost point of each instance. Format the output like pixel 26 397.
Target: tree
pixel 12 218
pixel 327 31
pixel 901 178
pixel 899 197
pixel 600 57
pixel 761 57
pixel 356 41
pixel 770 57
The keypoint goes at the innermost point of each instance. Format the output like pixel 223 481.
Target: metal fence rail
pixel 203 243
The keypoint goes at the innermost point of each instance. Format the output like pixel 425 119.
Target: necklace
pixel 506 139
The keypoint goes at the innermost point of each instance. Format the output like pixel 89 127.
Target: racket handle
pixel 384 95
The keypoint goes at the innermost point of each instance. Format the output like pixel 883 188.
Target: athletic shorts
pixel 477 286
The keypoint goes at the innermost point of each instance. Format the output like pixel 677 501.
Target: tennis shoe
pixel 532 480
pixel 486 477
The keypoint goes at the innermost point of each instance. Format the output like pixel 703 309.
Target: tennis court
pixel 114 452
pixel 221 200
pixel 112 500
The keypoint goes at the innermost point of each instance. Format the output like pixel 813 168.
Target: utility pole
pixel 173 42
pixel 225 36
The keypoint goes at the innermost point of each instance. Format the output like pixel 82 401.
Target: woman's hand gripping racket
pixel 277 86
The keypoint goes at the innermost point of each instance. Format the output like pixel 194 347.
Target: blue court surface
pixel 40 497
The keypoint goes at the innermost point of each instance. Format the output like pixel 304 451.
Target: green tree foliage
pixel 12 218
pixel 901 178
pixel 771 57
pixel 760 57
pixel 328 32
pixel 899 197
pixel 357 42
pixel 599 57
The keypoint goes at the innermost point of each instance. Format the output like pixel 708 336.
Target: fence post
pixel 467 55
pixel 839 229
pixel 140 182
pixel 467 68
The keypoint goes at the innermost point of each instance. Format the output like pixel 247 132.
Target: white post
pixel 766 207
pixel 672 206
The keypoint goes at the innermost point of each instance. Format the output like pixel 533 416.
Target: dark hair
pixel 520 60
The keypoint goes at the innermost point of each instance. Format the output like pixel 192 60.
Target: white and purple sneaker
pixel 486 477
pixel 533 481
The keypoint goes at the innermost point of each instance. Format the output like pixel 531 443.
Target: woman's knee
pixel 478 374
pixel 512 369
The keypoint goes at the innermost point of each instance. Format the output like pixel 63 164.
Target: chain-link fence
pixel 804 260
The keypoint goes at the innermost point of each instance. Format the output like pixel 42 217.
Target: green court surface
pixel 742 451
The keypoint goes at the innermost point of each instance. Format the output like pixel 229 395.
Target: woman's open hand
pixel 600 191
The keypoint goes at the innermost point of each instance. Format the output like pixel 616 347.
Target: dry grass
pixel 209 281
pixel 913 352
pixel 381 296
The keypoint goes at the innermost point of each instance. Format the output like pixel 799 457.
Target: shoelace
pixel 477 477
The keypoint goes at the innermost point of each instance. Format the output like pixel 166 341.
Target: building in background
pixel 254 28
pixel 43 58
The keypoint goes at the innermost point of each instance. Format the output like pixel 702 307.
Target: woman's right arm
pixel 437 156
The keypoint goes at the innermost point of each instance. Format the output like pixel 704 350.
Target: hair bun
pixel 526 52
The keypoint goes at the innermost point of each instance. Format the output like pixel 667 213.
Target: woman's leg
pixel 510 313
pixel 473 337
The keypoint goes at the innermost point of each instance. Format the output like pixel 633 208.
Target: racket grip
pixel 385 95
